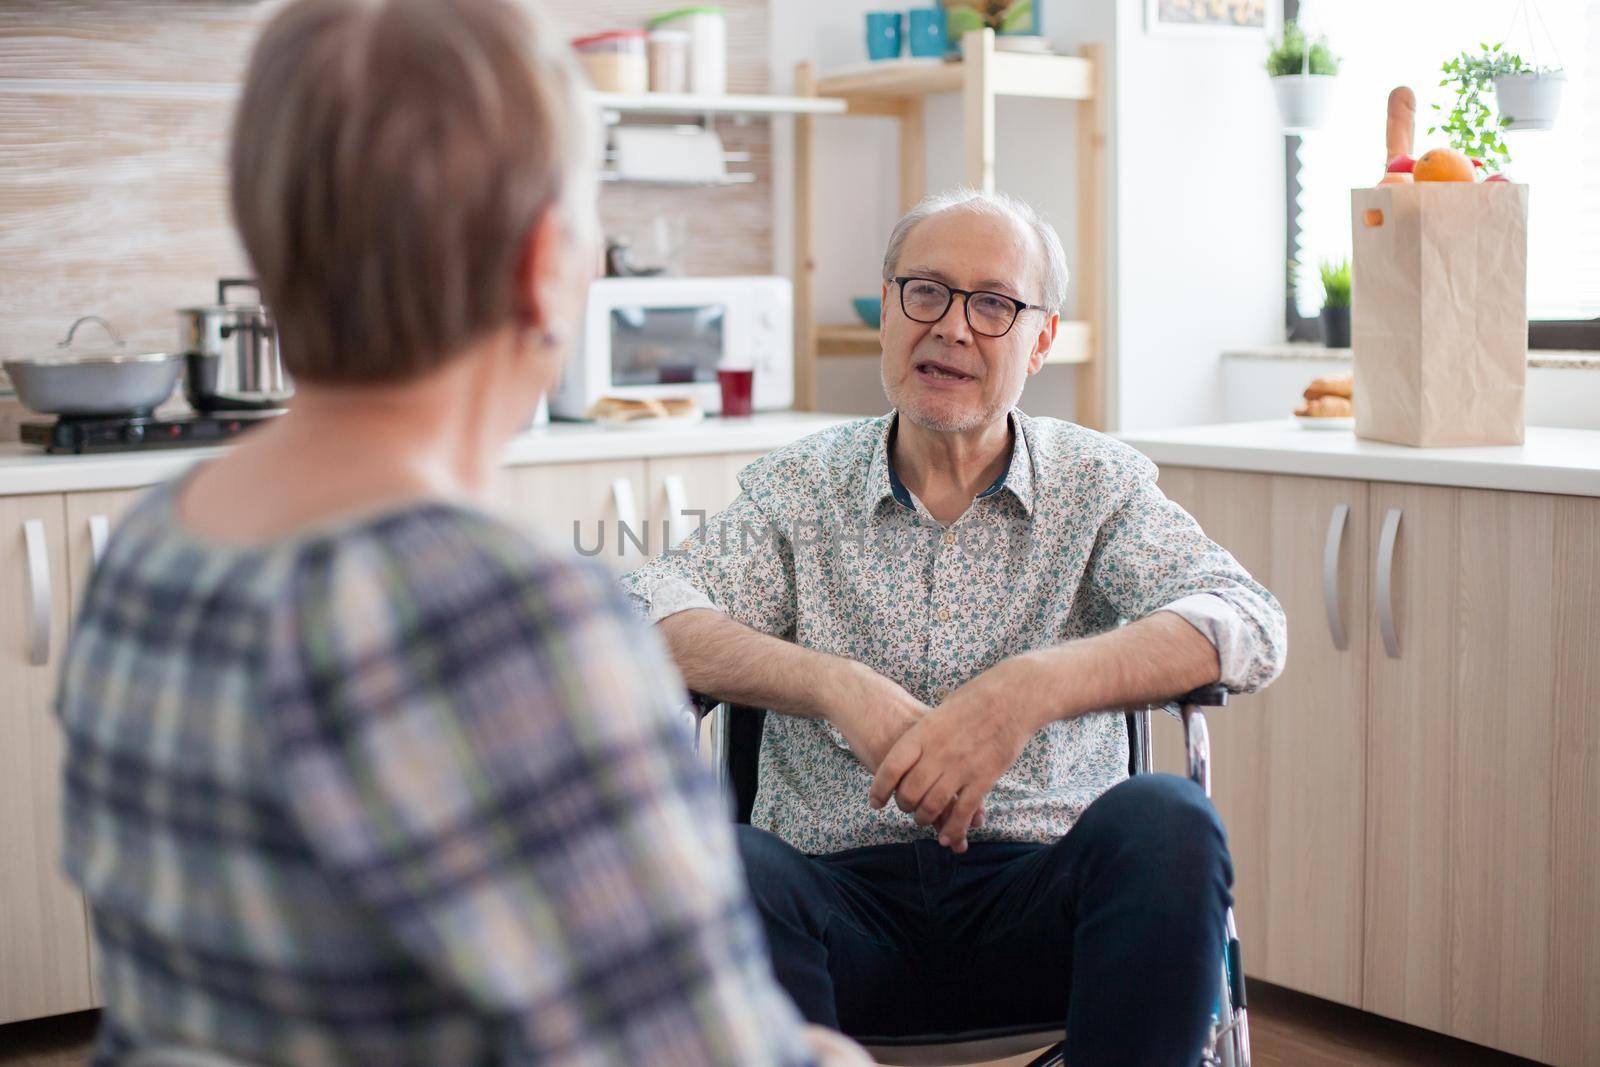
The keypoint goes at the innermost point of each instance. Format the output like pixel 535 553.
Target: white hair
pixel 1002 204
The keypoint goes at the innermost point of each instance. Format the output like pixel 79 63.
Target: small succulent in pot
pixel 1335 302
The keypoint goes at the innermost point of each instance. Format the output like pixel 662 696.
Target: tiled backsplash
pixel 113 130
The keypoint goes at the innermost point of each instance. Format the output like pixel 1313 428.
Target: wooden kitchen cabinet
pixel 1289 761
pixel 91 518
pixel 44 940
pixel 582 506
pixel 1229 507
pixel 683 485
pixel 579 504
pixel 1482 861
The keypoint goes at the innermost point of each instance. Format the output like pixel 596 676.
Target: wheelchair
pixel 735 741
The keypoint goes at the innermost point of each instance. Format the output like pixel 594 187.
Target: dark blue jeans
pixel 1115 930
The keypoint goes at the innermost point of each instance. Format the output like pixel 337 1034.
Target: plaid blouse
pixel 406 790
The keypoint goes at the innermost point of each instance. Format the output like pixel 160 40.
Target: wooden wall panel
pixel 113 130
pixel 129 40
pixel 113 205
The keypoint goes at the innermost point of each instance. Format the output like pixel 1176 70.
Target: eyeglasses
pixel 989 314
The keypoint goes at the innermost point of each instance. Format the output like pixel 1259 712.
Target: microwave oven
pixel 648 337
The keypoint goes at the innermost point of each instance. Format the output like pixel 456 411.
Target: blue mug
pixel 927 32
pixel 883 34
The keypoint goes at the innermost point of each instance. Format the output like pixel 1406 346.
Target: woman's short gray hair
pixel 389 159
pixel 1054 270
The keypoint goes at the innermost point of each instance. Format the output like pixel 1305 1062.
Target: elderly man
pixel 933 603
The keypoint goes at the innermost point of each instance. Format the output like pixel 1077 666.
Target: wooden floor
pixel 1288 1030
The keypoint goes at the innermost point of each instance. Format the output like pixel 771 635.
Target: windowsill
pixel 1564 359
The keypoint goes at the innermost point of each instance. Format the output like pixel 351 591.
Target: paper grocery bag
pixel 1439 316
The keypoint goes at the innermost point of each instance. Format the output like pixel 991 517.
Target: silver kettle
pixel 231 354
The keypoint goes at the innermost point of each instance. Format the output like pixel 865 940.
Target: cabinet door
pixel 683 486
pixel 1230 508
pixel 91 518
pixel 1482 861
pixel 596 509
pixel 1572 1023
pixel 44 965
pixel 1288 762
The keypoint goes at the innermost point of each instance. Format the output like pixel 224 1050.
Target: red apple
pixel 1498 178
pixel 1401 164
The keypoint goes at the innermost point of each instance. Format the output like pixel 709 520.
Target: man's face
pixel 943 375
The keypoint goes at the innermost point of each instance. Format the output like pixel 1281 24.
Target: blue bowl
pixel 870 308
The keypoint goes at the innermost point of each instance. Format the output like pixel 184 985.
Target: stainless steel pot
pixel 231 351
pixel 77 380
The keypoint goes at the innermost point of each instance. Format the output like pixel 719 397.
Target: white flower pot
pixel 1530 101
pixel 1302 100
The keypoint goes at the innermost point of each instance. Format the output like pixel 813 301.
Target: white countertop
pixel 26 469
pixel 1308 351
pixel 1552 460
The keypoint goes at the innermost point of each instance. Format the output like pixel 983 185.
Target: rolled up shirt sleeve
pixel 739 561
pixel 1151 556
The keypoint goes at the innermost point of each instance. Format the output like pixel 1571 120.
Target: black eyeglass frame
pixel 966 303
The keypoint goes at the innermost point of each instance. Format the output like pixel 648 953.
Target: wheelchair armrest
pixel 1214 695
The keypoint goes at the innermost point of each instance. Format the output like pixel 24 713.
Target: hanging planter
pixel 1525 98
pixel 1529 101
pixel 1302 100
pixel 1302 73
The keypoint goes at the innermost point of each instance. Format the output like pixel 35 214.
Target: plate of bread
pixel 1329 404
pixel 646 413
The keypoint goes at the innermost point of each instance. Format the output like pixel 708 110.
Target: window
pixel 1385 43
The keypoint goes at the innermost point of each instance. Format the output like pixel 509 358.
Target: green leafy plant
pixel 1289 54
pixel 1471 123
pixel 1335 282
pixel 997 15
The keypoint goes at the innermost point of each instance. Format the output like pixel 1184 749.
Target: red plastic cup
pixel 737 388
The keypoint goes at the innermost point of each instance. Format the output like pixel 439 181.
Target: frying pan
pixel 107 380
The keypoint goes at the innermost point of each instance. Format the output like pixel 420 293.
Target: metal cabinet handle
pixel 627 506
pixel 38 592
pixel 677 504
pixel 99 533
pixel 1386 540
pixel 1330 575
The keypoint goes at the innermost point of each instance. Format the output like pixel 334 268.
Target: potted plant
pixel 998 15
pixel 1302 72
pixel 1335 302
pixel 1526 98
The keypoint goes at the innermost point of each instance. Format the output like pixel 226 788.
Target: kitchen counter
pixel 26 469
pixel 1307 351
pixel 1553 460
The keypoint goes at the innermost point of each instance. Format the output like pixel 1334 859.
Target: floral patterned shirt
pixel 826 547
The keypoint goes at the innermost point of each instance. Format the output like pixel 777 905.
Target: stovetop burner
pixel 128 433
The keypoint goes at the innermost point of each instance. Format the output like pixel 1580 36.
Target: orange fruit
pixel 1443 165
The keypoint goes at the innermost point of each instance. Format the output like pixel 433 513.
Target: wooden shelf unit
pixel 848 339
pixel 981 75
pixel 716 104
